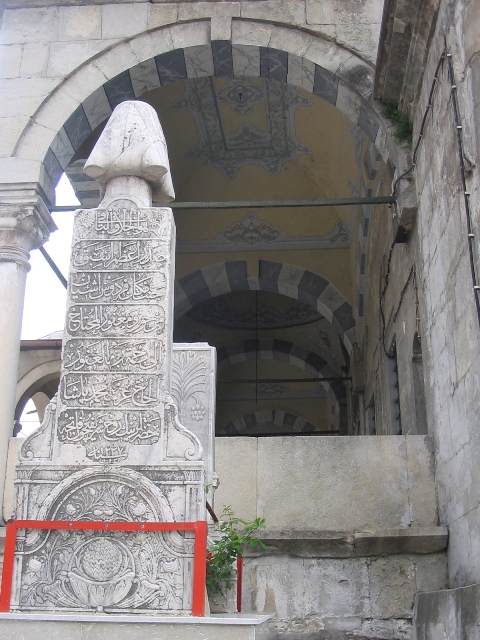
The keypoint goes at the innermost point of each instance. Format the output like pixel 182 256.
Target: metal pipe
pixel 277 433
pixel 53 266
pixel 254 380
pixel 266 204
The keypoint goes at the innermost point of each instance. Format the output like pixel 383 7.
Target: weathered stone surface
pixel 193 391
pixel 79 23
pixel 448 614
pixel 121 21
pixel 339 598
pixel 124 628
pixel 133 144
pixel 413 540
pixel 308 543
pixel 311 470
pixel 237 472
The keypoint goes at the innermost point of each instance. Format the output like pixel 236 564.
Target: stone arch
pixel 283 351
pixel 154 58
pixel 287 279
pixel 33 380
pixel 258 419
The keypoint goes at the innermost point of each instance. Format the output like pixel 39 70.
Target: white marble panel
pixel 193 390
pixel 62 148
pixel 144 77
pixel 348 103
pixel 301 72
pixel 381 144
pixel 182 303
pixel 332 298
pixel 324 310
pixel 216 278
pixel 246 60
pixel 199 61
pixel 297 362
pixel 97 107
pixel 289 279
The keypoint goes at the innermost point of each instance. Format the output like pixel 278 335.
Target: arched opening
pixel 244 122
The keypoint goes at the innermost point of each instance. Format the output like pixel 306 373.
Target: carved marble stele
pixel 112 447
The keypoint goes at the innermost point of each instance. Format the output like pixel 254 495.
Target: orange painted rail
pixel 199 550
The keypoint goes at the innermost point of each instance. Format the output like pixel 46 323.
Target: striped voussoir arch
pixel 283 351
pixel 287 279
pixel 218 58
pixel 250 421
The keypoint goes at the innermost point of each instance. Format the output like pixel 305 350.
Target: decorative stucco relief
pixel 228 152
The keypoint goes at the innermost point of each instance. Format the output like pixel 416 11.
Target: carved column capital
pixel 25 223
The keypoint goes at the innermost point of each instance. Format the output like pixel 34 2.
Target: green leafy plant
pixel 403 128
pixel 223 553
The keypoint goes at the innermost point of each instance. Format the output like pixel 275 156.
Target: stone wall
pixel 452 613
pixel 336 598
pixel 450 321
pixel 351 531
pixel 328 482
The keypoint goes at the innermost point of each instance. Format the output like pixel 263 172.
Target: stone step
pixel 21 626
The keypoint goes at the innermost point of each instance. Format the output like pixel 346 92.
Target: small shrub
pixel 403 128
pixel 223 553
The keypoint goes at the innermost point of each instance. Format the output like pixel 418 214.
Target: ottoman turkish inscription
pixel 112 447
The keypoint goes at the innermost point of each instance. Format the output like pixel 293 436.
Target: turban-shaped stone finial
pixel 133 144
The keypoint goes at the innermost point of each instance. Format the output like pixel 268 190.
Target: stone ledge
pixel 235 619
pixel 344 544
pixel 21 626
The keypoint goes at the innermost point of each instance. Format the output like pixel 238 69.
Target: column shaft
pixel 12 291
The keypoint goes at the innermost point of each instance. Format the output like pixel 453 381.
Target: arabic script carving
pixel 84 426
pixel 112 355
pixel 118 254
pixel 114 321
pixel 91 286
pixel 97 390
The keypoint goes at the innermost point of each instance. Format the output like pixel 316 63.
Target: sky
pixel 45 296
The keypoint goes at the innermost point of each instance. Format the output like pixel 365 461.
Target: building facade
pixel 346 333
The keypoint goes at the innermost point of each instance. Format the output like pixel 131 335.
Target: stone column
pixel 23 226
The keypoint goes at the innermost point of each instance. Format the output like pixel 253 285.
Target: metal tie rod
pixel 266 204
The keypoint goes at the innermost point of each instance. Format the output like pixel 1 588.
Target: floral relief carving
pixel 106 570
pixel 270 149
pixel 252 231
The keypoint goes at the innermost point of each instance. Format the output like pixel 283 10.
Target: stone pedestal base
pixel 238 626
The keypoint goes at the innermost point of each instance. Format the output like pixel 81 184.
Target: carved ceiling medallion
pixel 240 95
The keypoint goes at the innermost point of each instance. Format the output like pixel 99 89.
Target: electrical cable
pixel 466 194
pixel 471 237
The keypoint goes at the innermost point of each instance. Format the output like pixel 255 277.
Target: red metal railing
pixel 199 550
pixel 239 583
